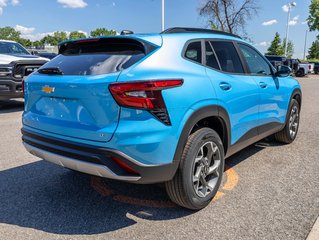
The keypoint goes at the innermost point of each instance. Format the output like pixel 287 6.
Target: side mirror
pixel 283 71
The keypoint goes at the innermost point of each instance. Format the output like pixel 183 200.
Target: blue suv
pixel 166 107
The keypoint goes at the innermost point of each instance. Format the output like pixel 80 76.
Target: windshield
pixel 12 48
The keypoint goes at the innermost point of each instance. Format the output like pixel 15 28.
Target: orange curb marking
pixel 102 188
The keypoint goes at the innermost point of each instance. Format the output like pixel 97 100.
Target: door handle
pixel 225 86
pixel 262 84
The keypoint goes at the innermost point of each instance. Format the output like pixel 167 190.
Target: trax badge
pixel 48 89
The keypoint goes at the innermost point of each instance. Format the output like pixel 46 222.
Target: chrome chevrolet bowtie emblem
pixel 48 89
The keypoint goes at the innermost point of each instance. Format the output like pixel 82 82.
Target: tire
pixel 289 133
pixel 300 73
pixel 188 188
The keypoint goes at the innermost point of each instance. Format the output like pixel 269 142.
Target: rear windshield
pixel 97 57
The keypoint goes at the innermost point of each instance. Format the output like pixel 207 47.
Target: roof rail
pixel 197 30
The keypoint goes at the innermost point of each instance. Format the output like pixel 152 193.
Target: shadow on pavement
pixel 46 197
pixel 49 198
pixel 8 106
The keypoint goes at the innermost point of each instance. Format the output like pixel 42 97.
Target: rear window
pixel 97 56
pixel 194 52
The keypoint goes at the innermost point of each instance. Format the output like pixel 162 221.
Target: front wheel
pixel 289 132
pixel 200 172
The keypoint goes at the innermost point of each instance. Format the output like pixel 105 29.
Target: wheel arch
pixel 212 114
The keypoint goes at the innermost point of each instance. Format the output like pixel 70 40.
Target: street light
pixel 163 15
pixel 290 5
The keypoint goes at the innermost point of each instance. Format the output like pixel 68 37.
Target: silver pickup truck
pixel 304 68
pixel 15 64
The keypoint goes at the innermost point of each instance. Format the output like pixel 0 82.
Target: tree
pixel 25 42
pixel 9 33
pixel 290 48
pixel 76 35
pixel 276 47
pixel 313 19
pixel 102 32
pixel 55 39
pixel 228 15
pixel 314 50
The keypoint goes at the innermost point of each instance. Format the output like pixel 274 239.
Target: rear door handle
pixel 225 86
pixel 262 84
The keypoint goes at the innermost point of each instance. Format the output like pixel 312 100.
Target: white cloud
pixel 285 8
pixel 270 22
pixel 73 3
pixel 4 3
pixel 85 33
pixel 305 22
pixel 294 21
pixel 24 30
pixel 263 44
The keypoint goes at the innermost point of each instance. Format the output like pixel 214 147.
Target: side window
pixel 211 60
pixel 227 57
pixel 257 65
pixel 194 52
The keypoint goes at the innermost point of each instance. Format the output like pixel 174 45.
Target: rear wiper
pixel 51 71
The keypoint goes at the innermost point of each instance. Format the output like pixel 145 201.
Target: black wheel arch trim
pixel 204 112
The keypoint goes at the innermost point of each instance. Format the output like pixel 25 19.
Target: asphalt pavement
pixel 270 191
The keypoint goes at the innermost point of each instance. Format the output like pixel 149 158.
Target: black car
pixel 277 60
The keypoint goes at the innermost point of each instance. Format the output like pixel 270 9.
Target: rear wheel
pixel 289 133
pixel 300 73
pixel 200 171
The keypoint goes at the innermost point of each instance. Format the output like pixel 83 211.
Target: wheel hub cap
pixel 206 169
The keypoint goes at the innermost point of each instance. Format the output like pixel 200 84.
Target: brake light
pixel 309 67
pixel 144 95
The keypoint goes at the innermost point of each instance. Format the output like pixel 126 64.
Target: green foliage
pixel 313 19
pixel 276 47
pixel 290 48
pixel 314 50
pixel 76 35
pixel 55 39
pixel 102 32
pixel 9 33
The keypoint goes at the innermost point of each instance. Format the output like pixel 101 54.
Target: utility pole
pixel 290 5
pixel 304 51
pixel 163 15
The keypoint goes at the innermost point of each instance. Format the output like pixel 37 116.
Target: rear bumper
pixel 10 89
pixel 95 160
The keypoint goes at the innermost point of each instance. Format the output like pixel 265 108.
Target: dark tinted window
pixel 98 56
pixel 93 64
pixel 256 63
pixel 228 57
pixel 194 52
pixel 211 60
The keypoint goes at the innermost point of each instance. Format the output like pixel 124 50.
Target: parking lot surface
pixel 270 191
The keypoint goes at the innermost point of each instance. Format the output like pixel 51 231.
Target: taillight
pixel 309 67
pixel 144 95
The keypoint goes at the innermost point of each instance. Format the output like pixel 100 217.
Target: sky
pixel 37 18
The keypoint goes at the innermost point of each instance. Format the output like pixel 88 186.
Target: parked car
pixel 166 107
pixel 277 60
pixel 15 64
pixel 316 67
pixel 304 69
pixel 42 53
